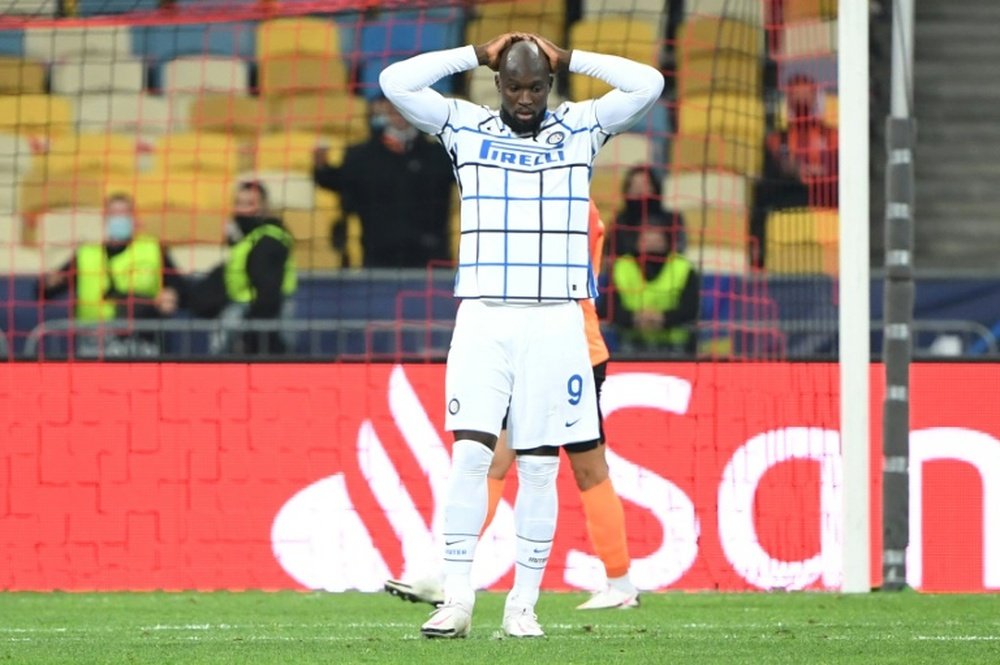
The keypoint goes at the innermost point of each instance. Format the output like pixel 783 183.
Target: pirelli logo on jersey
pixel 509 152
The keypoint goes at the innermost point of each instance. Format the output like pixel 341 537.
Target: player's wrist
pixel 482 57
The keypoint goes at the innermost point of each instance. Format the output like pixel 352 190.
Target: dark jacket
pixel 403 200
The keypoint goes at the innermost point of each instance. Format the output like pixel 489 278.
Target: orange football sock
pixel 606 526
pixel 495 489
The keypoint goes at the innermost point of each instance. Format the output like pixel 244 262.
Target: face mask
pixel 378 122
pixel 403 136
pixel 118 228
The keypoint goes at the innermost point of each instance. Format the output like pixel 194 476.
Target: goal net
pixel 178 104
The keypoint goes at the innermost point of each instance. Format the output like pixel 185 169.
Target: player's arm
pixel 407 84
pixel 636 86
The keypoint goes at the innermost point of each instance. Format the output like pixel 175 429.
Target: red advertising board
pixel 331 476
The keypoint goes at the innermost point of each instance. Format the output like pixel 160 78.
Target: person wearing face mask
pixel 800 162
pixel 128 276
pixel 399 184
pixel 642 203
pixel 655 294
pixel 257 280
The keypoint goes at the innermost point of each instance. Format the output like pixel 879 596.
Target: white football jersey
pixel 525 203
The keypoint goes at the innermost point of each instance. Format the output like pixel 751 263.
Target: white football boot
pixel 451 620
pixel 424 590
pixel 521 622
pixel 610 598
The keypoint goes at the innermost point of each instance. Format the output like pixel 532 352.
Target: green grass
pixel 254 627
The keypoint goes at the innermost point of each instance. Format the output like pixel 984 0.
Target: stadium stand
pixel 178 112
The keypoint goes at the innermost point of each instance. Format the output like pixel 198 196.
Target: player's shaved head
pixel 524 81
pixel 524 57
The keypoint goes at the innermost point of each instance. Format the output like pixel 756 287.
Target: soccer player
pixel 601 504
pixel 519 342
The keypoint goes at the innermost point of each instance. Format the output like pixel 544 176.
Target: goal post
pixel 854 287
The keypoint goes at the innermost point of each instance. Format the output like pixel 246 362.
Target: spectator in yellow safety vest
pixel 655 295
pixel 128 276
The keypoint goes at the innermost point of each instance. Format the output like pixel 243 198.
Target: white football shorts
pixel 530 358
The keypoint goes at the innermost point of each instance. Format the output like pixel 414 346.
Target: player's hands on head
pixel 558 57
pixel 489 53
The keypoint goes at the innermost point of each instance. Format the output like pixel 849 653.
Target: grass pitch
pixel 254 627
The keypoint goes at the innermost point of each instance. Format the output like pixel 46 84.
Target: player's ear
pixel 496 81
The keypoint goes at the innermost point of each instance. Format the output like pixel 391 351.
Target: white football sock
pixel 535 510
pixel 464 512
pixel 623 583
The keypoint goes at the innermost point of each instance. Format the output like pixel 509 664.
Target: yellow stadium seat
pixel 215 153
pixel 35 114
pixel 740 117
pixel 748 11
pixel 482 30
pixel 802 240
pixel 195 258
pixel 803 225
pixel 181 206
pixel 21 260
pixel 285 189
pixel 95 154
pixel 545 17
pixel 124 112
pixel 624 151
pixel 10 230
pixel 89 75
pixel 693 152
pixel 69 227
pixel 653 11
pixel 299 74
pixel 718 259
pixel 296 36
pixel 483 89
pixel 16 155
pixel 9 193
pixel 629 37
pixel 54 44
pixel 831 110
pixel 196 75
pixel 308 224
pixel 721 226
pixel 293 151
pixel 228 114
pixel 683 190
pixel 338 114
pixel 316 254
pixel 31 8
pixel 606 191
pixel 808 38
pixel 719 73
pixel 40 191
pixel 802 258
pixel 711 34
pixel 327 202
pixel 19 76
pixel 794 10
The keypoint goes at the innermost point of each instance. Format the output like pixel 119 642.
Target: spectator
pixel 128 277
pixel 655 295
pixel 643 205
pixel 257 280
pixel 400 186
pixel 800 162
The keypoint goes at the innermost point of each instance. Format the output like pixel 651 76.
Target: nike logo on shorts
pixel 570 423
